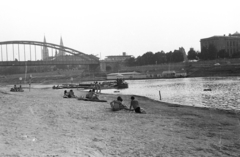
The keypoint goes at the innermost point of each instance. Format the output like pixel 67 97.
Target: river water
pixel 224 92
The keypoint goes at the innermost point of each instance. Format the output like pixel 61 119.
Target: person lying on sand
pixel 117 105
pixel 135 105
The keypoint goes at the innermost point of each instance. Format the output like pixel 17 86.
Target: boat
pixel 118 84
pixel 121 84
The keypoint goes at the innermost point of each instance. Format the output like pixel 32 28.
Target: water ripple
pixel 224 92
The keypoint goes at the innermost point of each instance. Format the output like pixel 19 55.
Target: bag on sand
pixel 142 110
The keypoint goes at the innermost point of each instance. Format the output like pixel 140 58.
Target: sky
pixel 111 27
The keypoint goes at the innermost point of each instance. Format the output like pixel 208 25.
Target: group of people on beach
pixel 69 94
pixel 90 95
pixel 16 89
pixel 134 105
pixel 116 105
pixel 97 87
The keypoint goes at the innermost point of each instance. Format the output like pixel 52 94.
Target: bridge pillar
pixel 103 66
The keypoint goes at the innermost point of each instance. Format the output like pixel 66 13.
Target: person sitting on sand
pixel 118 105
pixel 71 94
pixel 92 95
pixel 20 88
pixel 15 88
pixel 135 105
pixel 89 94
pixel 65 94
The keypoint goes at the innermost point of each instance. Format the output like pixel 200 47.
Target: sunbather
pixel 65 94
pixel 118 105
pixel 135 105
pixel 92 95
pixel 71 94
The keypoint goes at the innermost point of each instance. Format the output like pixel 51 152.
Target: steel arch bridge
pixel 23 56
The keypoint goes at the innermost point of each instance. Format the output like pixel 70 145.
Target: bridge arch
pixel 73 56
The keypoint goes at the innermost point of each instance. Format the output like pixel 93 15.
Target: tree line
pixel 207 53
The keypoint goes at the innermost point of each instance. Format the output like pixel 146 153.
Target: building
pixel 45 53
pixel 61 51
pixel 230 43
pixel 119 58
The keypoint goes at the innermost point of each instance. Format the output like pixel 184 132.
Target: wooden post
pixel 160 95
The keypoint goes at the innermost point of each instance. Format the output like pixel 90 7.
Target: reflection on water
pixel 189 91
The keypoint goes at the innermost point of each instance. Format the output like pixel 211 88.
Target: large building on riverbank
pixel 230 43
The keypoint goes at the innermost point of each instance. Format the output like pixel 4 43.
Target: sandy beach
pixel 42 123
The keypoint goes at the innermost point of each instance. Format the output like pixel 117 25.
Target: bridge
pixel 35 53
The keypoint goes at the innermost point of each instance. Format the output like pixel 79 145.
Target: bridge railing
pixel 37 63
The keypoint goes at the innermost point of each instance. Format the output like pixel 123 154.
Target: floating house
pixel 126 75
pixel 168 74
pixel 172 74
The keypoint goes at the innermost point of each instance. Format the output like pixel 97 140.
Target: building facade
pixel 119 58
pixel 230 43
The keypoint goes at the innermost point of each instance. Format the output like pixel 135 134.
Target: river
pixel 224 92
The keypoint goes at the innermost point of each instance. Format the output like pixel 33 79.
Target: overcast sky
pixel 111 27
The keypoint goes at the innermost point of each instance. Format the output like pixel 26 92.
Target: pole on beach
pixel 20 79
pixel 30 81
pixel 160 95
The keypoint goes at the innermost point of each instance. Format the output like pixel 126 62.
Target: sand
pixel 42 123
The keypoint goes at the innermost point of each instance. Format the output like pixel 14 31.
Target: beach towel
pixel 142 110
pixel 95 100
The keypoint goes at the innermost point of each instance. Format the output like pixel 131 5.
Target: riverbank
pixel 40 122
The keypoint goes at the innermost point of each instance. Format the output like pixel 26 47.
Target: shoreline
pixel 49 86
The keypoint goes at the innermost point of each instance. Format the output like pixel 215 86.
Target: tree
pixel 160 57
pixel 204 53
pixel 192 54
pixel 139 61
pixel 177 56
pixel 223 54
pixel 148 58
pixel 130 61
pixel 236 55
pixel 212 52
pixel 169 57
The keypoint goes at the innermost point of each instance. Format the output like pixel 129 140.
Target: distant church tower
pixel 45 54
pixel 61 51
